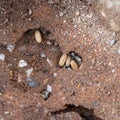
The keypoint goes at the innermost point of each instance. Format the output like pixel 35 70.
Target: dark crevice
pixel 87 114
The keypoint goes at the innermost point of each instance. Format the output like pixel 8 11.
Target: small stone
pixel 48 43
pixel 2 57
pixel 10 48
pixel 42 55
pixel 61 14
pixel 112 42
pixel 22 63
pixel 49 88
pixel 29 72
pixel 55 74
pixel 6 112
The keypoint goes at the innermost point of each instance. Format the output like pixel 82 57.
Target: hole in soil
pixel 42 57
pixel 85 113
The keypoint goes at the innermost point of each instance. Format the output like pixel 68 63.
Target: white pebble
pixel 6 112
pixel 22 63
pixel 42 55
pixel 49 88
pixel 2 57
pixel 10 48
pixel 55 74
pixel 29 72
pixel 61 14
pixel 48 43
pixel 103 14
pixel 112 42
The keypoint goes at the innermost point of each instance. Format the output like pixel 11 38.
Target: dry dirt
pixel 89 28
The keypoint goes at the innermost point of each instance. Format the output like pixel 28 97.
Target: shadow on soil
pixel 85 113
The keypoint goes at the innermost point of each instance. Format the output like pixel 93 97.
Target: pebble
pixel 42 55
pixel 22 63
pixel 29 72
pixel 38 36
pixel 74 65
pixel 49 88
pixel 10 48
pixel 48 43
pixel 6 112
pixel 55 74
pixel 2 57
pixel 61 14
pixel 68 61
pixel 112 42
pixel 62 60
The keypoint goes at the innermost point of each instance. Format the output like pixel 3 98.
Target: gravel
pixel 2 57
pixel 22 63
pixel 10 48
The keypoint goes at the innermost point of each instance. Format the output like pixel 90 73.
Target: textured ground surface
pixel 89 28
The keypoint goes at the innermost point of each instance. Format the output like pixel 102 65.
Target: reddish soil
pixel 86 27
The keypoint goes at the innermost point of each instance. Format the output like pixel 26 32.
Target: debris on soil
pixel 2 57
pixel 10 48
pixel 22 63
pixel 47 92
pixel 112 42
pixel 42 55
pixel 29 72
pixel 49 88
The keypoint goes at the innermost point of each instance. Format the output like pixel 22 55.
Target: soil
pixel 89 28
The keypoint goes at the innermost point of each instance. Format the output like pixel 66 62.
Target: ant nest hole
pixel 35 58
pixel 70 60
